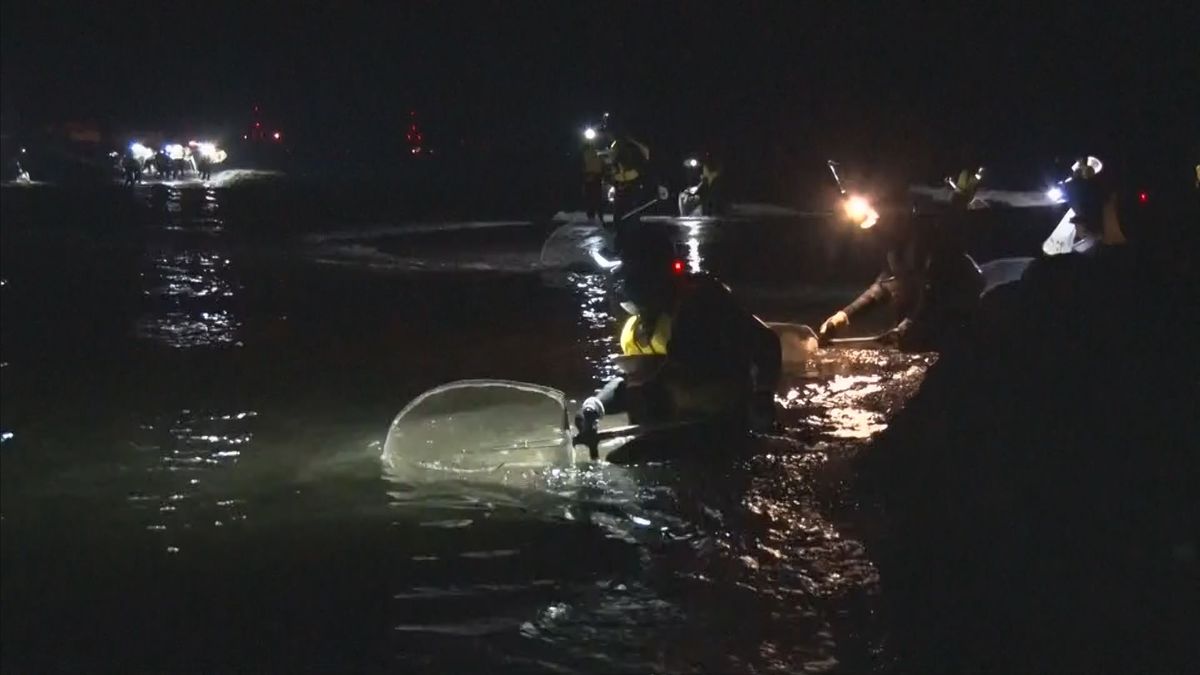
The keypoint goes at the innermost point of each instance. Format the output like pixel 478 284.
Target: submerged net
pixel 797 342
pixel 571 245
pixel 479 429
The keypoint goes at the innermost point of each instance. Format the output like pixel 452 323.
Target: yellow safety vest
pixel 622 173
pixel 659 339
pixel 968 182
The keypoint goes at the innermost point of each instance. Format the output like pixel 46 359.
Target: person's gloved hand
pixel 834 322
pixel 588 417
pixel 663 193
pixel 587 422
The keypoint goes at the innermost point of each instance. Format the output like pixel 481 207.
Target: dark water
pixel 196 383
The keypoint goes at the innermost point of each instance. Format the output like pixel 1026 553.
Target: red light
pixel 677 267
pixel 1143 197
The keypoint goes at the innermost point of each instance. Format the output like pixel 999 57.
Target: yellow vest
pixel 968 182
pixel 632 346
pixel 622 175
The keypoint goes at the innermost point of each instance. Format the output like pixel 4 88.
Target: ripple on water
pixel 189 292
pixel 189 286
pixel 592 291
pixel 188 461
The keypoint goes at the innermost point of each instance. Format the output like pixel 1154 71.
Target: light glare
pixel 859 210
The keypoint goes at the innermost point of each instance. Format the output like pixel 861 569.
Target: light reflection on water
pixel 190 283
pixel 694 258
pixel 593 292
pixel 187 461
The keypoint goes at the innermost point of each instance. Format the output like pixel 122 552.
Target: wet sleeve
pixel 875 293
pixel 612 396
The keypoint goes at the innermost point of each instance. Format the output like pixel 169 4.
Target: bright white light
pixel 692 162
pixel 1055 194
pixel 612 194
pixel 174 151
pixel 140 152
pixel 1093 162
pixel 209 151
pixel 693 257
pixel 603 262
pixel 276 135
pixel 859 210
pixel 589 134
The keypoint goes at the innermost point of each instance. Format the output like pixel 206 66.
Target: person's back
pixel 593 165
pixel 703 356
pixel 630 160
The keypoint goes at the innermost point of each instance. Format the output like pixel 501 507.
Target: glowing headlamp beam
pixel 860 211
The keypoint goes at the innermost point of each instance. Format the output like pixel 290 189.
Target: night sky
pixel 770 80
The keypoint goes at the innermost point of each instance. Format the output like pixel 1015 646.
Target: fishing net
pixel 479 428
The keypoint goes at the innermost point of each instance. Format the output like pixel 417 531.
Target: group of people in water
pixel 171 162
pixel 690 351
pixel 613 157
